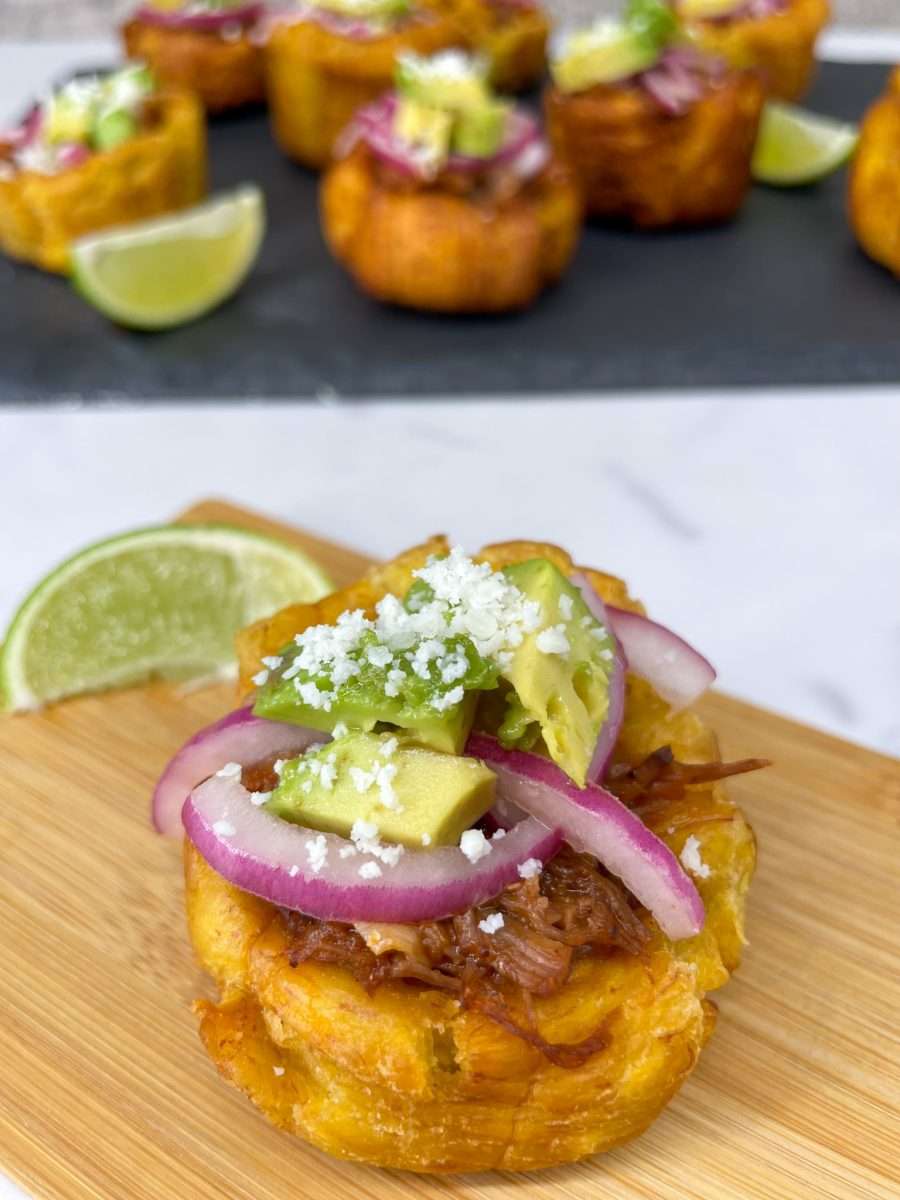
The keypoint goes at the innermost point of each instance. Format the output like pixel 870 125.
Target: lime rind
pixel 167 271
pixel 796 147
pixel 258 575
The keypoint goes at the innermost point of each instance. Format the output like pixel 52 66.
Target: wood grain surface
pixel 106 1093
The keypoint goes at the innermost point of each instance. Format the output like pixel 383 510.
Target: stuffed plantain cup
pixel 875 179
pixel 99 152
pixel 511 34
pixel 325 62
pixel 209 46
pixel 778 37
pixel 659 133
pixel 447 199
pixel 463 884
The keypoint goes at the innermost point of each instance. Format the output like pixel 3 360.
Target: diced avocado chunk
pixel 560 672
pixel 365 10
pixel 429 129
pixel 605 53
pixel 113 128
pixel 449 80
pixel 414 796
pixel 655 22
pixel 69 119
pixel 405 689
pixel 479 131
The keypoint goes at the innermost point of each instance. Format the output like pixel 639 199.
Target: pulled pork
pixel 660 778
pixel 572 908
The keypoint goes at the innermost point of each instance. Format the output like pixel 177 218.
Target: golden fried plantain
pixel 875 179
pixel 782 47
pixel 160 170
pixel 639 164
pixel 513 37
pixel 316 79
pixel 225 74
pixel 430 248
pixel 406 1076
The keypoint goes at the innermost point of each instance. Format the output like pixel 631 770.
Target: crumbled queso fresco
pixel 474 845
pixel 466 600
pixel 491 923
pixel 691 860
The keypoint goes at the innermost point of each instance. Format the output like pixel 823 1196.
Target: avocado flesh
pixel 453 92
pixel 364 10
pixel 424 127
pixel 112 129
pixel 68 121
pixel 601 56
pixel 565 694
pixel 699 10
pixel 479 131
pixel 438 796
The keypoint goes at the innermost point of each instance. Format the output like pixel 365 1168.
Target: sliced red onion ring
pixel 675 669
pixel 593 820
pixel 302 869
pixel 680 78
pixel 72 154
pixel 374 125
pixel 209 21
pixel 239 737
pixel 609 731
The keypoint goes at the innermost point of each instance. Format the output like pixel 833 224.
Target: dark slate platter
pixel 781 297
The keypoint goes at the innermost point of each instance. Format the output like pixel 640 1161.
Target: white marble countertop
pixel 764 527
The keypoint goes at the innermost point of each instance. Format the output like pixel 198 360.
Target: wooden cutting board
pixel 106 1093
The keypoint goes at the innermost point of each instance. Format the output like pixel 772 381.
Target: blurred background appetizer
pixel 325 61
pixel 101 151
pixel 776 36
pixel 512 34
pixel 659 131
pixel 444 197
pixel 875 179
pixel 206 45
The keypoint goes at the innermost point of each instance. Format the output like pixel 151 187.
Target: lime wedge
pixel 796 147
pixel 160 273
pixel 162 602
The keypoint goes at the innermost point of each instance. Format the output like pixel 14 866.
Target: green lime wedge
pixel 161 273
pixel 157 603
pixel 796 147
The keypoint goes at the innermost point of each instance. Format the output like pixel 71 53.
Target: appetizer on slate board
pixel 512 34
pixel 463 884
pixel 101 151
pixel 659 132
pixel 875 179
pixel 445 198
pixel 777 36
pixel 323 62
pixel 206 45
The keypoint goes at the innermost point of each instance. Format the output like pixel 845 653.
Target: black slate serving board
pixel 780 297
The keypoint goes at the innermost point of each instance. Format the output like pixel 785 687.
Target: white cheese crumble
pixel 370 870
pixel 272 661
pixel 553 640
pixel 565 606
pixel 474 845
pixel 224 828
pixel 317 852
pixel 278 766
pixel 361 780
pixel 454 696
pixel 279 1071
pixel 491 923
pixel 426 839
pixel 260 798
pixel 529 868
pixel 340 730
pixel 231 770
pixel 691 860
pixel 294 871
pixel 260 678
pixel 498 835
pixel 389 748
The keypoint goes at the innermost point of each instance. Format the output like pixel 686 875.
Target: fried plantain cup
pixel 225 73
pixel 874 195
pixel 512 36
pixel 428 247
pixel 317 79
pixel 409 1076
pixel 641 165
pixel 161 169
pixel 782 46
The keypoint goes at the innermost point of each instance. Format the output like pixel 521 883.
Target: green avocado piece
pixel 605 53
pixel 384 689
pixel 449 80
pixel 413 795
pixel 113 128
pixel 560 673
pixel 69 119
pixel 365 10
pixel 654 21
pixel 479 131
pixel 429 129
